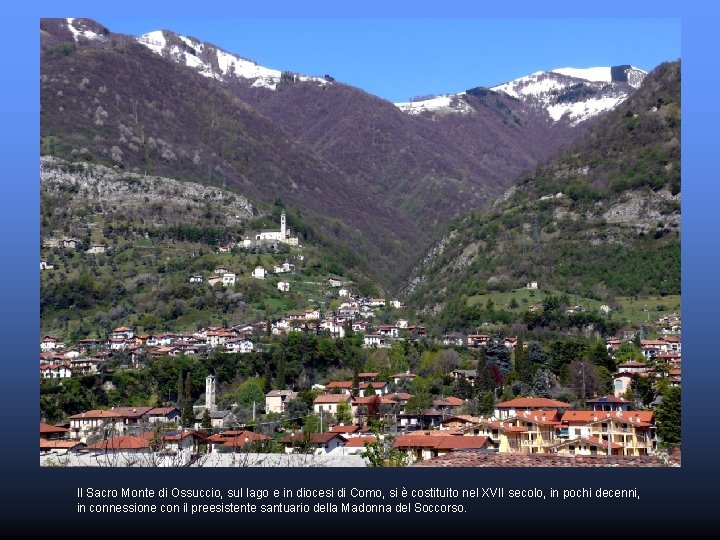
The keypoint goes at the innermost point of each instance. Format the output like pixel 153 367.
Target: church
pixel 283 235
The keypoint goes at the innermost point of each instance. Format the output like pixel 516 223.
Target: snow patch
pixel 228 65
pixel 447 103
pixel 583 110
pixel 85 33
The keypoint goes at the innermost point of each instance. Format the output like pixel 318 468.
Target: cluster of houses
pixel 527 425
pixel 68 242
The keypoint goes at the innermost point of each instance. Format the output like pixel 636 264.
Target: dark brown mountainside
pixel 374 184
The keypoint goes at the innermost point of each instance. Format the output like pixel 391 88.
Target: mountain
pixel 374 185
pixel 601 220
pixel 570 95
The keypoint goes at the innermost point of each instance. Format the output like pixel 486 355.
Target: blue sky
pixel 405 57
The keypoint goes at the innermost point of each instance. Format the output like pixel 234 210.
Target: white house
pixel 228 279
pixel 344 292
pixel 283 286
pixel 241 346
pixel 55 371
pixel 328 403
pixel 284 268
pixel 96 248
pixel 276 400
pixel 45 266
pixel 334 282
pixel 375 340
pixel 50 343
pixel 258 273
pixel 197 278
pixel 532 285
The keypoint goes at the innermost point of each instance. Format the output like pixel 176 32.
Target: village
pixel 371 418
pixel 353 415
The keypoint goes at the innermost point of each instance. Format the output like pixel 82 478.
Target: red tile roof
pixel 359 442
pixel 639 418
pixel 442 442
pixel 383 400
pixel 47 428
pixel 49 444
pixel 332 398
pixel 125 442
pixel 344 429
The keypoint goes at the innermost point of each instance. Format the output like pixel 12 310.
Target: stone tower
pixel 210 393
pixel 283 227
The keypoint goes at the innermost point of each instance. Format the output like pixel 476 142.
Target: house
pixel 478 340
pixel 114 420
pixel 122 332
pixel 163 415
pixel 196 278
pixel 456 422
pixel 321 442
pixel 388 330
pixel 118 344
pixel 45 266
pixel 283 286
pixel 622 383
pixel 55 371
pixel 515 407
pixel 344 292
pixel 420 446
pixel 284 268
pixel 60 447
pixel 180 445
pixel 258 273
pixel 532 285
pixel 356 445
pixel 541 430
pixel 427 419
pixel 228 279
pixel 96 248
pixel 376 340
pixel 336 328
pixel 608 403
pixel 84 366
pixel 236 440
pixel 505 434
pixel 372 406
pixel 127 444
pixel 448 405
pixel 376 302
pixel 586 446
pixel 334 281
pixel 277 400
pixel 312 314
pixel 634 430
pixel 49 432
pixel 218 419
pixel 241 346
pixel 220 270
pixel 218 338
pixel 50 343
pixel 328 403
pixel 398 378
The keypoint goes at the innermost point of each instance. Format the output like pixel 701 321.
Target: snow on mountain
pixel 571 94
pixel 451 103
pixel 575 94
pixel 213 62
pixel 83 28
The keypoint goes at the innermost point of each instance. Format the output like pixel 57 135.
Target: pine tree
pixel 188 417
pixel 668 417
pixel 522 362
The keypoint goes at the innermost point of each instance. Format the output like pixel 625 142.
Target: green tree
pixel 498 355
pixel 206 422
pixel 522 362
pixel 187 417
pixel 600 357
pixel 344 413
pixel 668 416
